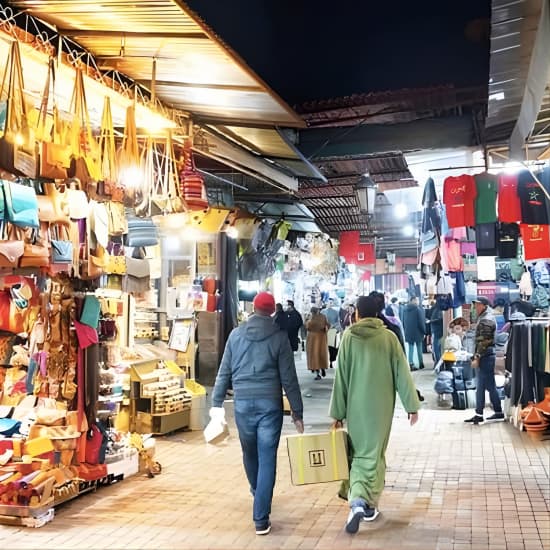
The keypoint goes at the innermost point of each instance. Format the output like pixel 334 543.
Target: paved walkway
pixel 449 486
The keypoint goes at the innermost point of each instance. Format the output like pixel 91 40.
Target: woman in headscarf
pixel 316 343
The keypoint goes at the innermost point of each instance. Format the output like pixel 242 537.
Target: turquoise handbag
pixel 62 249
pixel 91 311
pixel 21 205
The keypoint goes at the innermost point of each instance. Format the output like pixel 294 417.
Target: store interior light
pixel 401 210
pixel 408 230
pixel 365 193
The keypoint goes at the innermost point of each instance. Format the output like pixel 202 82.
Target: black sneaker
pixel 318 377
pixel 496 416
pixel 323 373
pixel 263 529
pixel 371 513
pixel 476 419
pixel 356 514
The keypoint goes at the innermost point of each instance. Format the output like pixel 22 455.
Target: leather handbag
pixel 79 207
pixel 55 152
pixel 191 182
pixel 116 261
pixel 129 160
pixel 12 246
pixel 92 262
pixel 137 278
pixel 118 224
pixel 84 148
pixel 61 245
pixel 99 222
pixel 107 149
pixel 141 232
pixel 21 205
pixel 91 311
pixel 18 149
pixel 36 251
pixel 53 206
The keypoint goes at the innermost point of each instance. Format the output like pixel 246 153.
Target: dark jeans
pixel 436 344
pixel 485 380
pixel 259 422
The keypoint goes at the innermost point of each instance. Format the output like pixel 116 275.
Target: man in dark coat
pixel 293 323
pixel 414 326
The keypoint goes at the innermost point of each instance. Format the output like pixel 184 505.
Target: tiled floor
pixel 449 486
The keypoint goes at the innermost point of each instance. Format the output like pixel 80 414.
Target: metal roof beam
pixel 105 33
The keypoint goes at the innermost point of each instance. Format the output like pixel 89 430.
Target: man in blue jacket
pixel 258 361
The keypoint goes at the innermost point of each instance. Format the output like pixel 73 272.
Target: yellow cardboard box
pixel 318 458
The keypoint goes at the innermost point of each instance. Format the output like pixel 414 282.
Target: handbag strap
pixel 107 148
pixel 43 111
pixel 79 108
pixel 15 120
pixel 130 143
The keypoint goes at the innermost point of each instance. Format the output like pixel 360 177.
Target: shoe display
pixel 371 513
pixel 496 416
pixel 476 419
pixel 263 529
pixel 356 514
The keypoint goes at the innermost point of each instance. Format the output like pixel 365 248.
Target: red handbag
pixel 191 185
pixel 94 440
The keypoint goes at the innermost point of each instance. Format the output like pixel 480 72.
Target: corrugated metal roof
pixel 195 71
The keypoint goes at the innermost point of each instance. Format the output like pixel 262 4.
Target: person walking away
pixel 280 317
pixel 394 304
pixel 436 327
pixel 372 367
pixel 316 343
pixel 484 362
pixel 259 363
pixel 349 317
pixel 293 323
pixel 414 326
pixel 333 316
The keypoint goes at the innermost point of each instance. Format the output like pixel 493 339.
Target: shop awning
pixel 519 84
pixel 195 71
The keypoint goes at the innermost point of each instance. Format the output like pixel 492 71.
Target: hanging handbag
pixel 11 245
pixel 191 182
pixel 118 224
pixel 116 261
pixel 107 150
pixel 55 153
pixel 61 245
pixel 90 311
pixel 53 206
pixel 79 207
pixel 137 278
pixel 36 251
pixel 18 150
pixel 129 161
pixel 99 222
pixel 141 232
pixel 165 180
pixel 21 205
pixel 84 148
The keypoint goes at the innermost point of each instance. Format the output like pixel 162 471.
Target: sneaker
pixel 263 529
pixel 371 513
pixel 496 416
pixel 476 419
pixel 356 514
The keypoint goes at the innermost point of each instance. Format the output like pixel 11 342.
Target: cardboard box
pixel 318 458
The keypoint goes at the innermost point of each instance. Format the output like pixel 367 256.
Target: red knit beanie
pixel 264 302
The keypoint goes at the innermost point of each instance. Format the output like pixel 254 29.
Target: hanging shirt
pixel 509 208
pixel 459 194
pixel 534 204
pixel 508 234
pixel 453 256
pixel 486 198
pixel 486 239
pixel 536 241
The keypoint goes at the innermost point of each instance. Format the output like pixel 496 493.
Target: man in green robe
pixel 372 367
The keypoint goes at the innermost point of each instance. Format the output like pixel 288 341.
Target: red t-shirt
pixel 459 195
pixel 536 241
pixel 509 207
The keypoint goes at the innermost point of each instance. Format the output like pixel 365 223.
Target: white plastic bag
pixel 217 430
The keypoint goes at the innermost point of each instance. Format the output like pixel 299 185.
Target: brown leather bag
pixel 36 248
pixel 11 246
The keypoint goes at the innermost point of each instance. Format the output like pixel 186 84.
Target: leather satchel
pixel 11 246
pixel 118 224
pixel 36 248
pixel 79 207
pixel 137 278
pixel 53 206
pixel 18 149
pixel 21 205
pixel 62 248
pixel 116 261
pixel 141 232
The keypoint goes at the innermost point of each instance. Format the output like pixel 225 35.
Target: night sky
pixel 316 49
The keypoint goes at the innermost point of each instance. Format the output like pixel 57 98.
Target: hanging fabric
pixel 191 183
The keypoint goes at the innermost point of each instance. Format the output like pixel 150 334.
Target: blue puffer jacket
pixel 258 362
